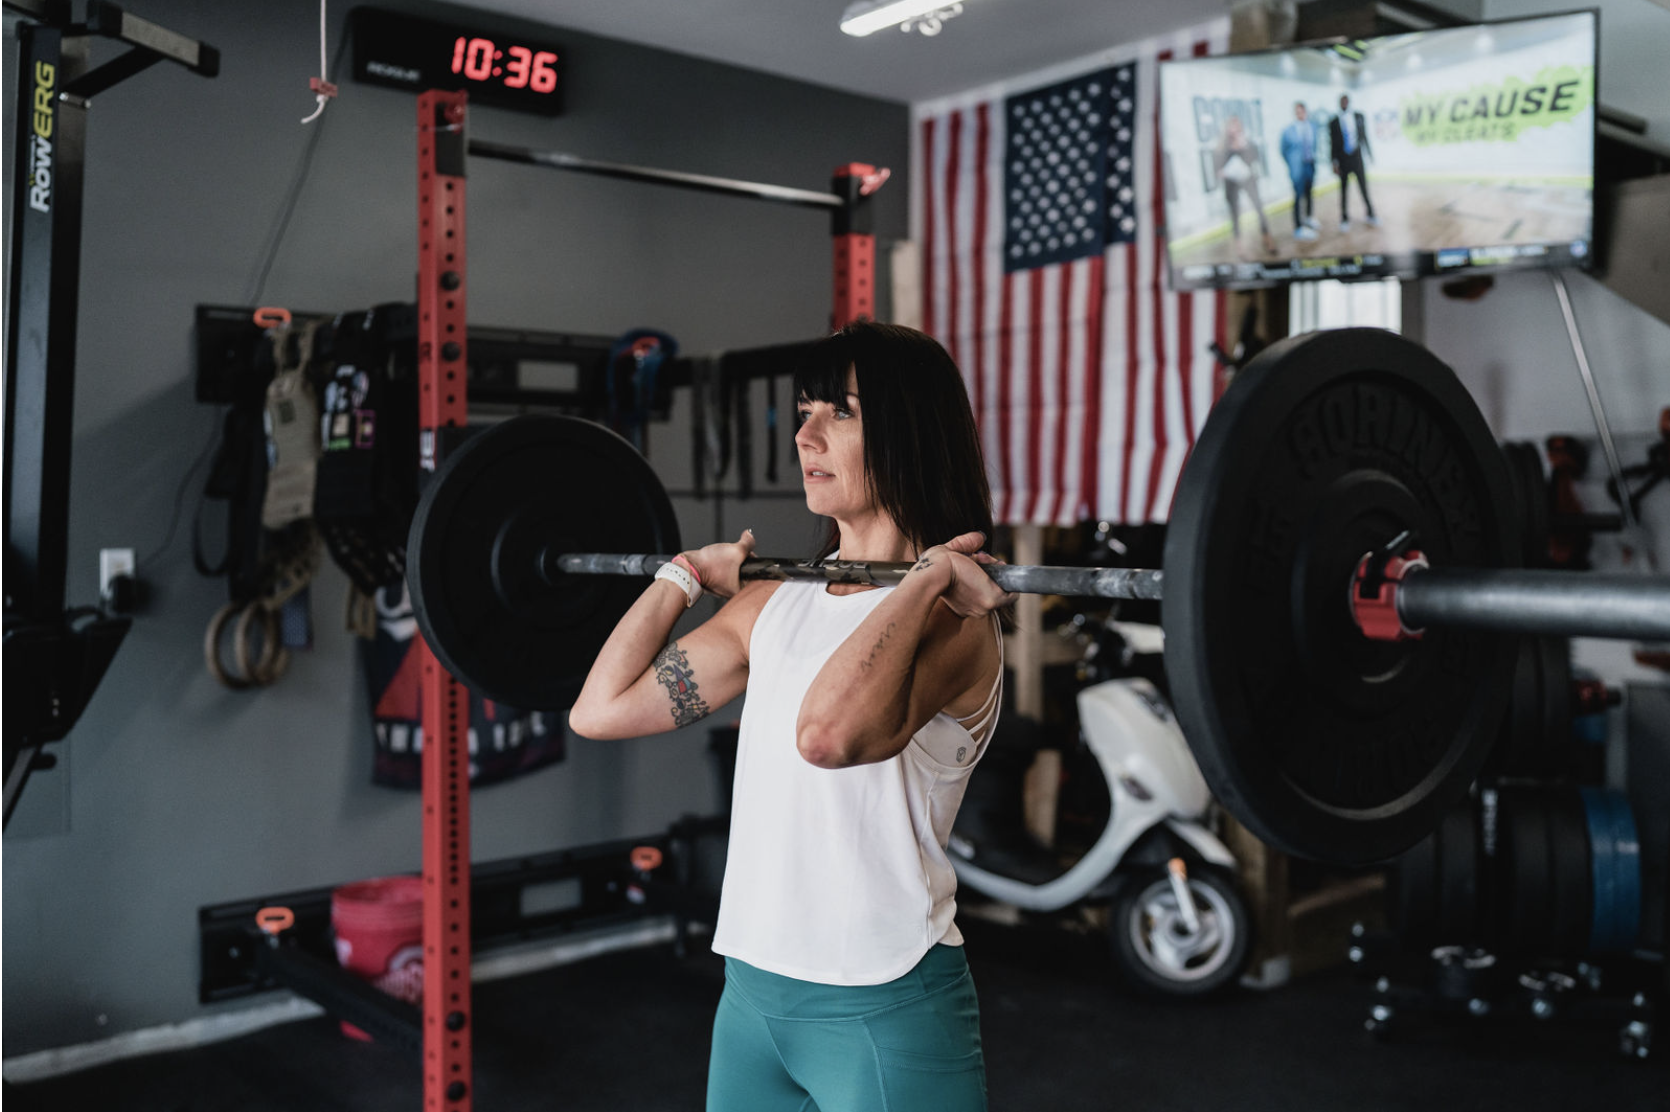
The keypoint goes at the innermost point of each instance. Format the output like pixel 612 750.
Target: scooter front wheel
pixel 1155 947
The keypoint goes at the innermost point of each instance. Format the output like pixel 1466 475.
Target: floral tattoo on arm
pixel 672 671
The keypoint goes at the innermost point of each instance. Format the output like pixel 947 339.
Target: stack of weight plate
pixel 1534 867
pixel 1436 889
pixel 1542 871
pixel 1536 738
pixel 1563 880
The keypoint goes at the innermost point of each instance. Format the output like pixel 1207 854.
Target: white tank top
pixel 838 876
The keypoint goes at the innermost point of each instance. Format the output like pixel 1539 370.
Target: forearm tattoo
pixel 924 562
pixel 875 650
pixel 672 671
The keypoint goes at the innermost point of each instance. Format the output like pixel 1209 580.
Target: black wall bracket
pixel 512 900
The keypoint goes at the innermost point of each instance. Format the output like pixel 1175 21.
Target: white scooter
pixel 1178 924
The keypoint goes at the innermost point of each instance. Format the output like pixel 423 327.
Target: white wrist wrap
pixel 686 582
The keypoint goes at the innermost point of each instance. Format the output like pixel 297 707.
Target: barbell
pixel 1340 585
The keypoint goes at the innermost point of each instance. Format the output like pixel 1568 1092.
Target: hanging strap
pixel 701 373
pixel 741 390
pixel 771 428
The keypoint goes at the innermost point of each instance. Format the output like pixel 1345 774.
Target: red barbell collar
pixel 1374 590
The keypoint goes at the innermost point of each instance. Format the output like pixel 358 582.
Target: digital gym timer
pixel 512 71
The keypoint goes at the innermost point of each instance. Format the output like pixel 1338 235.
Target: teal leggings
pixel 910 1045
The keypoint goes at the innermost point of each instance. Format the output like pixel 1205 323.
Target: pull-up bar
pixel 701 182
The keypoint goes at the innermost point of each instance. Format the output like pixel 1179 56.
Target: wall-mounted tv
pixel 1434 152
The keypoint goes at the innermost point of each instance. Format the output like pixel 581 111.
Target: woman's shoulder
pixel 754 593
pixel 973 650
pixel 742 609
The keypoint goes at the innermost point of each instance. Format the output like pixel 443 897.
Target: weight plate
pixel 1569 917
pixel 1628 867
pixel 1530 487
pixel 1537 738
pixel 494 506
pixel 1324 743
pixel 1412 894
pixel 1458 876
pixel 1615 869
pixel 1526 868
pixel 1556 741
pixel 1517 752
pixel 1627 873
pixel 1603 870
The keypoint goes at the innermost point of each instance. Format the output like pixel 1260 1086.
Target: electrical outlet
pixel 114 562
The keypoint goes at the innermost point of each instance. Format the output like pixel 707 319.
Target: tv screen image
pixel 1458 149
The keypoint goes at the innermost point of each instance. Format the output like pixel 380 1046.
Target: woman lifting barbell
pixel 846 987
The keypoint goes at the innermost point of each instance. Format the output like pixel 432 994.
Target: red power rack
pixel 443 149
pixel 446 704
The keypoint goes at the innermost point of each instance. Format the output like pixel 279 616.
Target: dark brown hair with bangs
pixel 922 457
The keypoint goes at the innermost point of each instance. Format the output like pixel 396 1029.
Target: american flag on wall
pixel 1040 219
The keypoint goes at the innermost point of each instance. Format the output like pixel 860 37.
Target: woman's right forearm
pixel 631 649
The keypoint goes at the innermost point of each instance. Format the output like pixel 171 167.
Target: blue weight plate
pixel 1627 846
pixel 1615 850
pixel 1603 870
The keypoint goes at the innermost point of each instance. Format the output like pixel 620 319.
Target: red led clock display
pixel 519 67
pixel 521 71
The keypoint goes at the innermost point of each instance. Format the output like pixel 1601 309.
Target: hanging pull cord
pixel 323 90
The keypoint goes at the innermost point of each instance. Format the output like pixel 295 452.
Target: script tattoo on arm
pixel 886 635
pixel 924 562
pixel 672 671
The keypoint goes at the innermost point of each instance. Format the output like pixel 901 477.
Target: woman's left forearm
pixel 858 708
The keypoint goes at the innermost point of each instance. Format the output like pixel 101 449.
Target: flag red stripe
pixel 929 264
pixel 1035 392
pixel 982 140
pixel 1064 348
pixel 953 168
pixel 1005 377
pixel 1131 360
pixel 1090 449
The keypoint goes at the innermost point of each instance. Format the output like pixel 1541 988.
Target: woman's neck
pixel 874 539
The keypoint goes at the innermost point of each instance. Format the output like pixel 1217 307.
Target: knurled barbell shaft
pixel 1016 578
pixel 1551 603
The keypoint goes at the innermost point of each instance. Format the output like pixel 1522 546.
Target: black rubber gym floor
pixel 629 1031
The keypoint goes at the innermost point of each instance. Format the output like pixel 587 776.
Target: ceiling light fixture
pixel 926 16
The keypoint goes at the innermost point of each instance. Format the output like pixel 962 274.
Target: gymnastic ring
pixel 274 658
pixel 211 649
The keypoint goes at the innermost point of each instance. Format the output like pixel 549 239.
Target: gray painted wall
pixel 1634 36
pixel 173 792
